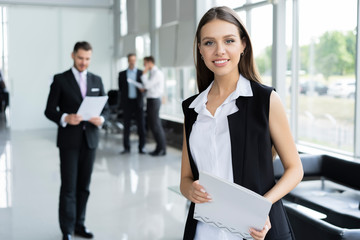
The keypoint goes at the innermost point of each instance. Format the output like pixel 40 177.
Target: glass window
pixel 158 13
pixel 242 15
pixel 123 18
pixel 327 73
pixel 289 44
pixel 260 29
pixel 171 101
pixel 142 44
pixel 190 84
pixel 4 46
pixel 230 3
pixel 180 83
pixel 122 63
pixel 5 177
pixel 256 1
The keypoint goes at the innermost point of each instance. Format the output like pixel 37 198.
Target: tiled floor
pixel 130 196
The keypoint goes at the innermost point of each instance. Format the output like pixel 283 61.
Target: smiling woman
pixel 232 126
pixel 232 38
pixel 220 50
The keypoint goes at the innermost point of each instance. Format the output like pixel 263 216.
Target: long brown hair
pixel 246 65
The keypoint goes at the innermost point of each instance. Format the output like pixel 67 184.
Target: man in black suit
pixel 132 102
pixel 77 139
pixel 4 95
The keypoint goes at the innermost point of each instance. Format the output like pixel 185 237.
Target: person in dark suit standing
pixel 4 95
pixel 77 140
pixel 132 102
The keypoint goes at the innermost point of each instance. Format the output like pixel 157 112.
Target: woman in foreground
pixel 232 127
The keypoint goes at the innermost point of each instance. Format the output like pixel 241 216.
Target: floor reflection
pixel 130 194
pixel 5 176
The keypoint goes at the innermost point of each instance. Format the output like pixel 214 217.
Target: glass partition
pixel 180 83
pixel 327 73
pixel 261 36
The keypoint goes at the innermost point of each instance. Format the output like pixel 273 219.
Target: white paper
pixel 92 107
pixel 137 84
pixel 233 208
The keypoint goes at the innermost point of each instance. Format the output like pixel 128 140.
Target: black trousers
pixel 76 166
pixel 154 122
pixel 132 108
pixel 4 100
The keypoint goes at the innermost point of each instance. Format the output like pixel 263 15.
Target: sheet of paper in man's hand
pixel 233 208
pixel 137 84
pixel 92 107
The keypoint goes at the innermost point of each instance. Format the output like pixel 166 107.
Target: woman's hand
pixel 197 193
pixel 191 189
pixel 260 235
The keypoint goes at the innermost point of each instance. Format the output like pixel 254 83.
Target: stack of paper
pixel 233 208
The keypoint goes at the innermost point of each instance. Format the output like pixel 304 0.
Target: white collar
pixel 153 69
pixel 132 70
pixel 243 88
pixel 77 73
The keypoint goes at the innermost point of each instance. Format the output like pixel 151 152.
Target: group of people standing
pixel 232 128
pixel 133 85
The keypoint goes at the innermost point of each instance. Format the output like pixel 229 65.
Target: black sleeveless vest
pixel 251 155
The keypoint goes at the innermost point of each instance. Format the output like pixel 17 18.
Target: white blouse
pixel 153 84
pixel 210 145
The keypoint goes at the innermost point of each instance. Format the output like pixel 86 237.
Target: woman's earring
pixel 242 54
pixel 202 57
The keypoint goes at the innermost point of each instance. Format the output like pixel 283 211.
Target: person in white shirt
pixel 153 82
pixel 231 128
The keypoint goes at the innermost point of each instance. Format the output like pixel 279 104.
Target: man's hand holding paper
pixel 90 109
pixel 137 84
pixel 97 121
pixel 73 119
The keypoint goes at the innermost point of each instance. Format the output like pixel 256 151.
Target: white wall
pixel 40 43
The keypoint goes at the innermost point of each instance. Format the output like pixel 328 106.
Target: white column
pixel 295 66
pixel 357 92
pixel 279 49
